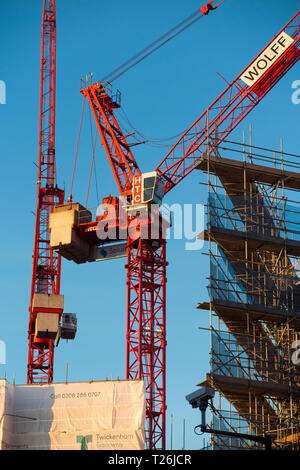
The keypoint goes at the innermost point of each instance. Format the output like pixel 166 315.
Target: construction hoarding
pixel 84 415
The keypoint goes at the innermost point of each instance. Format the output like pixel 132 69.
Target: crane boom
pixel 233 105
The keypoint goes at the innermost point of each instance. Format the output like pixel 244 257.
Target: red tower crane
pixel 46 263
pixel 146 253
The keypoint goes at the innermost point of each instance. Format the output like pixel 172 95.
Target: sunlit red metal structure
pixel 46 263
pixel 146 258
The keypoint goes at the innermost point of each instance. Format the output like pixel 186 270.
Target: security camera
pixel 200 397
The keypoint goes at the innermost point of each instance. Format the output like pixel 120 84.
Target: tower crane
pixel 46 303
pixel 75 235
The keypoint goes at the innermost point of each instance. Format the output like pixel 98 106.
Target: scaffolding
pixel 253 235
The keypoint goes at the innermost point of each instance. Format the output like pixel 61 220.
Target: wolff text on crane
pixel 268 57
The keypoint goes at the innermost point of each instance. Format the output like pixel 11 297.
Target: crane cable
pixel 123 68
pixel 143 54
pixel 154 46
pixel 91 171
pixel 143 136
pixel 93 163
pixel 76 154
pixel 158 143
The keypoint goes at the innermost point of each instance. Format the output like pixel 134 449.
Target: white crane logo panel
pixel 265 60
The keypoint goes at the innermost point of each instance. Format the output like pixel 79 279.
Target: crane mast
pixel 46 263
pixel 146 272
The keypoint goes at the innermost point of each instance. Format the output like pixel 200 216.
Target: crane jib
pixel 234 104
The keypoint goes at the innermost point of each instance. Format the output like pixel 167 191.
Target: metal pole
pixel 171 432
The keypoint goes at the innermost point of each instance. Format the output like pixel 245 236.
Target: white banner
pixel 82 415
pixel 6 410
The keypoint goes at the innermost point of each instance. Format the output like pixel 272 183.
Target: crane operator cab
pixel 67 327
pixel 148 188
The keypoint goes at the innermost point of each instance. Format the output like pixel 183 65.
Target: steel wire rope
pixel 93 159
pixel 190 20
pixel 76 153
pixel 112 75
pixel 91 170
pixel 149 140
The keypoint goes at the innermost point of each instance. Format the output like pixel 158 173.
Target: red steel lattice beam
pixel 118 151
pixel 46 264
pixel 146 331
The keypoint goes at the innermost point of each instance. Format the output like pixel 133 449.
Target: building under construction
pixel 253 235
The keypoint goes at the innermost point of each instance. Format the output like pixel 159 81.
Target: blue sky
pixel 162 97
